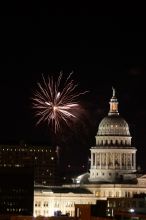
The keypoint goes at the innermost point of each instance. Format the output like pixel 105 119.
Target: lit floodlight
pixel 131 210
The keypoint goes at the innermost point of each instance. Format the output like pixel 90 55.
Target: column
pixel 131 160
pixel 134 161
pixel 106 160
pixel 120 161
pixel 100 160
pixel 95 159
pixel 114 160
pixel 126 160
pixel 91 159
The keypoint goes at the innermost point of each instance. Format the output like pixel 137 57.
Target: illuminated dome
pixel 113 125
pixel 113 158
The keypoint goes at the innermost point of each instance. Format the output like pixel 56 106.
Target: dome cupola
pixel 113 124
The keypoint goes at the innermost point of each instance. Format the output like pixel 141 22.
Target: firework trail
pixel 55 102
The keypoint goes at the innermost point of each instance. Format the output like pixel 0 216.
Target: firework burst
pixel 55 102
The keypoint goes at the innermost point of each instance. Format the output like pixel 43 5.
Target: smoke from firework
pixel 56 102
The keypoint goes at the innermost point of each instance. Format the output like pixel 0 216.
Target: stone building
pixel 112 171
pixel 113 159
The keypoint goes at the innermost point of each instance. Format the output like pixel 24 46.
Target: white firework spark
pixel 53 104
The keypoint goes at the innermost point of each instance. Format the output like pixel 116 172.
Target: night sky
pixel 102 50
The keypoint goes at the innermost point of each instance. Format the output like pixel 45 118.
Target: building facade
pixel 42 159
pixel 16 191
pixel 112 170
pixel 113 159
pixel 49 200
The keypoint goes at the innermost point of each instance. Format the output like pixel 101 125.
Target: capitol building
pixel 112 172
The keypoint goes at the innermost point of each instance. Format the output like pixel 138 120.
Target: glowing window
pixel 97 193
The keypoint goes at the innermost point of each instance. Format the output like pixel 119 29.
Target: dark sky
pixel 102 50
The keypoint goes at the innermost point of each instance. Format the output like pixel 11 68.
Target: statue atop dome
pixel 114 91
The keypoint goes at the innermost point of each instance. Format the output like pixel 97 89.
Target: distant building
pixel 135 205
pixel 87 211
pixel 16 191
pixel 42 159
